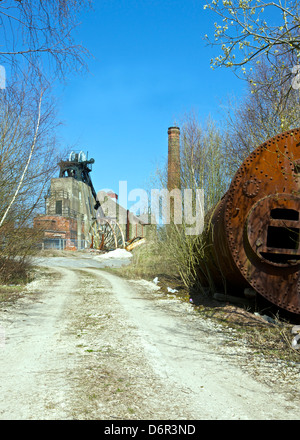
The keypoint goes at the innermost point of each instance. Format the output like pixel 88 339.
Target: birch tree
pixel 28 159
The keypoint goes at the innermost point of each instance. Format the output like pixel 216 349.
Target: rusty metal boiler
pixel 253 236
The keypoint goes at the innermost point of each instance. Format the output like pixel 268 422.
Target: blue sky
pixel 150 67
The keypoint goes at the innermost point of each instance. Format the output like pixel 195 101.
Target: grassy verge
pixel 10 294
pixel 149 260
pixel 15 270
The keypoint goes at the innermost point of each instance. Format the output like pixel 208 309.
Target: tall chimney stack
pixel 173 158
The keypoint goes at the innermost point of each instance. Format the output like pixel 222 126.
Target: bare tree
pixel 28 158
pixel 37 36
pixel 202 158
pixel 26 124
pixel 27 164
pixel 202 167
pixel 264 111
pixel 37 45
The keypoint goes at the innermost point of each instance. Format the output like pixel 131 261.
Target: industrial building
pixel 73 215
pixel 74 218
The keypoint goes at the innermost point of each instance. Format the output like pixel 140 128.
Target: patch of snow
pixel 295 343
pixel 116 254
pixel 172 290
pixel 145 283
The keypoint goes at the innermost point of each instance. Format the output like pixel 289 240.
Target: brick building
pixel 70 206
pixel 71 209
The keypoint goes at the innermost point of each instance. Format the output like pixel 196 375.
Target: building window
pixel 58 207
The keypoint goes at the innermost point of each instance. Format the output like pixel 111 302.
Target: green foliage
pixel 247 31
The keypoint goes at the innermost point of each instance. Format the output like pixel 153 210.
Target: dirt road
pixel 86 344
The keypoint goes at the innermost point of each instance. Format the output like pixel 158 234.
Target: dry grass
pixel 149 261
pixel 15 270
pixel 272 339
pixel 10 294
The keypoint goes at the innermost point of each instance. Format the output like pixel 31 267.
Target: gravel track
pixel 86 344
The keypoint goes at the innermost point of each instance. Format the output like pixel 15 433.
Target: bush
pixel 14 270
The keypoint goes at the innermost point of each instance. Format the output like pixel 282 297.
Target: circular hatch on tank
pixel 273 230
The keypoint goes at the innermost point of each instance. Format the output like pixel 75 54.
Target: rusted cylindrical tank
pixel 253 234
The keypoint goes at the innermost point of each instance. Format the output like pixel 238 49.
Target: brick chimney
pixel 173 158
